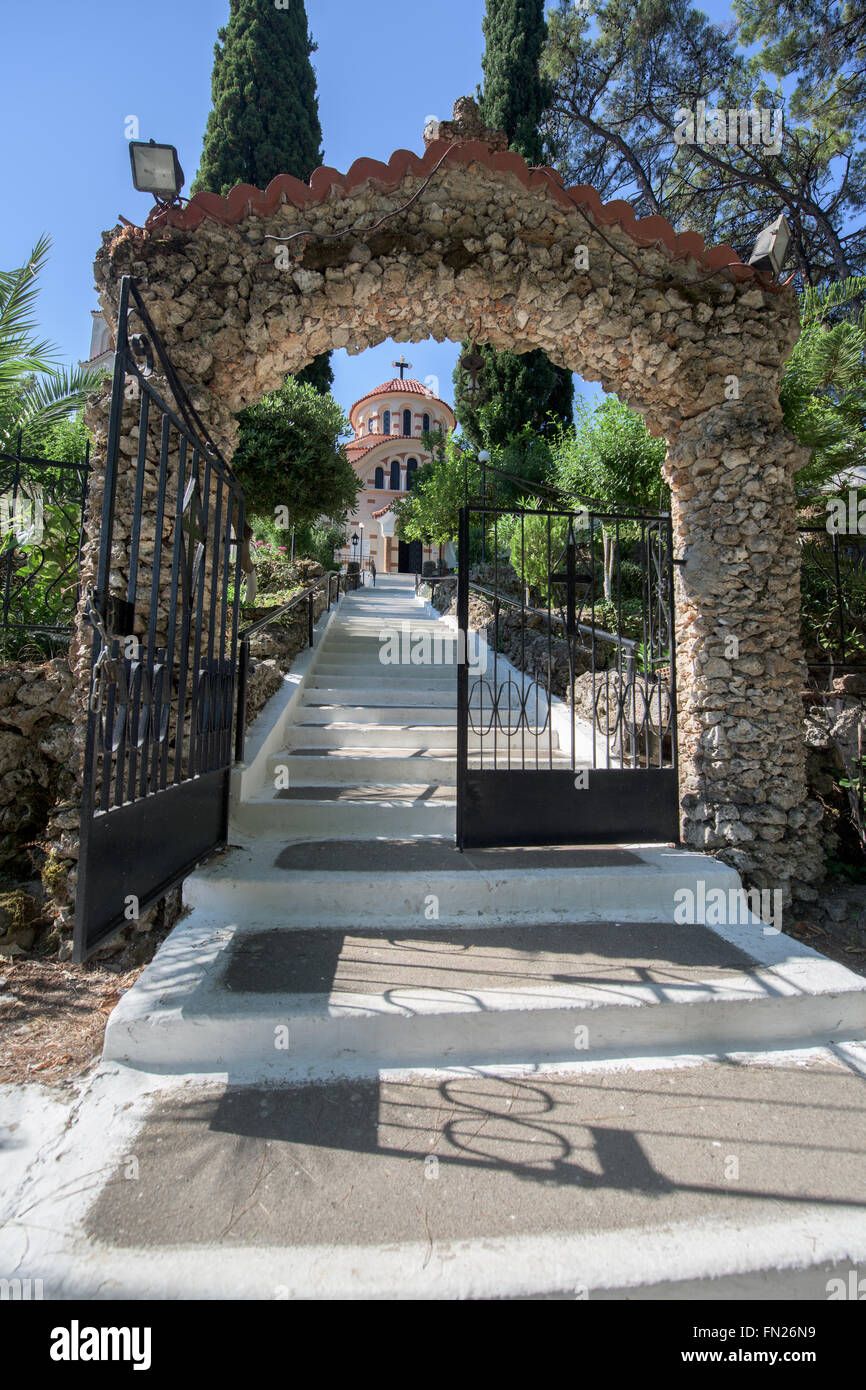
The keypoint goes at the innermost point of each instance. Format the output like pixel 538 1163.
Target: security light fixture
pixel 156 169
pixel 771 246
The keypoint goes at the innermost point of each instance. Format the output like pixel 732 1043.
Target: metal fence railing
pixel 42 505
pixel 833 596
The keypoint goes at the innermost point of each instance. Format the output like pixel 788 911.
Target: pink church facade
pixel 386 452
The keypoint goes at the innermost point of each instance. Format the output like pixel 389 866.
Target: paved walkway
pixel 738 1178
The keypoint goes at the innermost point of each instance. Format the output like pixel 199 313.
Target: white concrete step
pixel 390 694
pixel 409 715
pixel 355 664
pixel 411 678
pixel 386 693
pixel 376 984
pixel 389 884
pixel 355 765
pixel 359 812
pixel 418 737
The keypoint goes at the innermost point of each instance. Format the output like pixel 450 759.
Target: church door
pixel 411 557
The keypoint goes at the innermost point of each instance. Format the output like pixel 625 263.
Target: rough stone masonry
pixel 467 242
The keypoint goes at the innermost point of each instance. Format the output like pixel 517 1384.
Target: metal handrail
pixel 629 643
pixel 271 617
pixel 307 595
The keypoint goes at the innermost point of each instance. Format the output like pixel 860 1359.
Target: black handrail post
pixel 311 620
pixel 462 667
pixel 483 513
pixel 241 725
pixel 840 597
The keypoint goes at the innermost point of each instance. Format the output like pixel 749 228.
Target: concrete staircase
pixel 344 915
pixel 371 746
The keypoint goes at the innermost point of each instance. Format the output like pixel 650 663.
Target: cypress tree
pixel 520 389
pixel 514 94
pixel 265 115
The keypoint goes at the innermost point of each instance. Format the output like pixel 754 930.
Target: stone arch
pixel 467 241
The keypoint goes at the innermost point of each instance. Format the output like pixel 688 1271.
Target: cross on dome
pixel 403 365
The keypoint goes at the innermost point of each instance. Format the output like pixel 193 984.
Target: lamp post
pixel 483 459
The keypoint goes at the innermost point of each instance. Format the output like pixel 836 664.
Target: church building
pixel 386 453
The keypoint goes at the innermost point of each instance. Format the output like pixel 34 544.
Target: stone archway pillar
pixel 739 660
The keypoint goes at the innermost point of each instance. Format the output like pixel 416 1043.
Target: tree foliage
pixel 611 457
pixel 514 95
pixel 534 544
pixel 621 72
pixel 36 393
pixel 265 115
pixel 431 511
pixel 823 391
pixel 520 389
pixel 264 120
pixel 290 455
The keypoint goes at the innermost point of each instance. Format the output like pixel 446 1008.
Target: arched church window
pixel 370 425
pixel 407 422
pixel 380 478
pixel 425 423
pixel 395 476
pixel 411 468
pixel 386 422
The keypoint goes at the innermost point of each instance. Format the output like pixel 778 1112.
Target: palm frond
pixel 45 401
pixel 18 292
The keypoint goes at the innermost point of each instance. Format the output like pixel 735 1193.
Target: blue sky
pixel 83 68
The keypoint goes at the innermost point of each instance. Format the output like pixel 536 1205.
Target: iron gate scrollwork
pixel 566 710
pixel 164 613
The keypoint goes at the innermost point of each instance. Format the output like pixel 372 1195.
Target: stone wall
pixel 39 791
pixel 38 755
pixel 274 649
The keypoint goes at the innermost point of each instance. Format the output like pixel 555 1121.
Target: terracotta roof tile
pixel 389 439
pixel 409 386
pixel 244 200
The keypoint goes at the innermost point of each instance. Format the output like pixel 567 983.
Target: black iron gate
pixel 164 613
pixel 566 694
